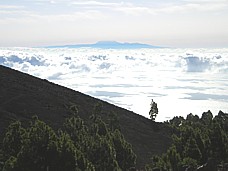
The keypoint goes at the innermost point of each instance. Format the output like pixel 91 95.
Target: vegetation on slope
pixel 22 96
pixel 197 143
pixel 77 146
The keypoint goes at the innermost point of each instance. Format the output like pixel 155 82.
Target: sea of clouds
pixel 181 81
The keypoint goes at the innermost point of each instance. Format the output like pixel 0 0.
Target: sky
pixel 176 23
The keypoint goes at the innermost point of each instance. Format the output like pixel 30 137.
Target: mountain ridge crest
pixel 108 45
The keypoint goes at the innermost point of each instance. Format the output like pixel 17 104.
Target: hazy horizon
pixel 176 23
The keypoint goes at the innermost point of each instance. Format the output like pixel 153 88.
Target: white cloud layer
pixel 179 80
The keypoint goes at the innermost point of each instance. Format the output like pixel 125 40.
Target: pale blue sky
pixel 179 23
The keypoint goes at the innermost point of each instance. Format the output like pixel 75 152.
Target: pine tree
pixel 153 110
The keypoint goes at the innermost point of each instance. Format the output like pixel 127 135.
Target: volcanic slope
pixel 22 96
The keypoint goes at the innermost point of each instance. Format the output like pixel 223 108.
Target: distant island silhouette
pixel 108 45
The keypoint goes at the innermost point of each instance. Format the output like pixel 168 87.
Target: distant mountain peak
pixel 107 42
pixel 108 45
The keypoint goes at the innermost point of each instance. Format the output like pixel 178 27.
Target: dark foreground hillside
pixel 22 96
